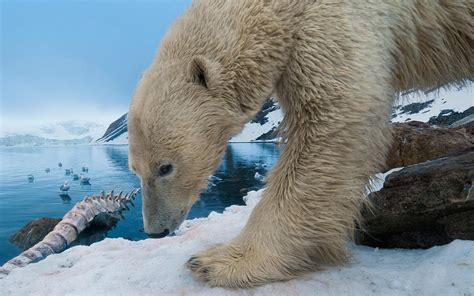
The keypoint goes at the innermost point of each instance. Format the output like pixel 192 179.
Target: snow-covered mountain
pixel 116 133
pixel 72 132
pixel 442 107
pixel 262 128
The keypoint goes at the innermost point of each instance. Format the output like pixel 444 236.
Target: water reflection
pixel 107 166
pixel 65 198
pixel 118 156
pixel 237 176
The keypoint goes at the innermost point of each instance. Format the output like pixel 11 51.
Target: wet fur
pixel 335 67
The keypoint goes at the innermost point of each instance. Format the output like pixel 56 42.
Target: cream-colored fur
pixel 335 66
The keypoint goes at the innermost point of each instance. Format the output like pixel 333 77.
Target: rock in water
pixel 415 142
pixel 66 232
pixel 423 205
pixel 33 232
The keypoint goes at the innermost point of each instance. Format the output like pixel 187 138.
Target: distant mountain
pixel 455 103
pixel 30 140
pixel 261 128
pixel 60 133
pixel 116 133
pixel 440 107
pixel 264 127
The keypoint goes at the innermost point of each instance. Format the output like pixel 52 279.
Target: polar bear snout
pixel 161 215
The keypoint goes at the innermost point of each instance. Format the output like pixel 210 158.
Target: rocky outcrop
pixel 115 129
pixel 467 128
pixel 36 230
pixel 268 106
pixel 33 232
pixel 449 117
pixel 415 142
pixel 412 108
pixel 427 204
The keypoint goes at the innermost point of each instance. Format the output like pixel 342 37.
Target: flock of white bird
pixel 83 179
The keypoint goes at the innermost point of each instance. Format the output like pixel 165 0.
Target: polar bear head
pixel 179 122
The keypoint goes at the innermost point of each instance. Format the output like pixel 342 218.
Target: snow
pixel 253 130
pixel 116 133
pixel 120 140
pixel 75 132
pixel 72 132
pixel 63 130
pixel 29 140
pixel 376 183
pixel 156 266
pixel 71 129
pixel 455 99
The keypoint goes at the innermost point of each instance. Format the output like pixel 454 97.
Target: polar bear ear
pixel 199 71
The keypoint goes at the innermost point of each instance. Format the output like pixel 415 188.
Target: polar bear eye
pixel 164 170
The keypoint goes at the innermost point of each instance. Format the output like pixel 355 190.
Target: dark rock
pixel 413 108
pixel 423 205
pixel 33 232
pixel 448 117
pixel 268 136
pixel 103 221
pixel 267 107
pixel 466 120
pixel 115 129
pixel 415 142
pixel 467 128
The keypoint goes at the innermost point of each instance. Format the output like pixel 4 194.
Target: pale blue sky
pixel 76 59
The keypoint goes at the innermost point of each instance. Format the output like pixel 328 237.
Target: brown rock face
pixel 415 142
pixel 427 204
pixel 33 232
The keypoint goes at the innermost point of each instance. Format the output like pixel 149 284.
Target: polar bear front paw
pixel 229 266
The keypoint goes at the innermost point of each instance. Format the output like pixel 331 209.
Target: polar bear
pixel 335 66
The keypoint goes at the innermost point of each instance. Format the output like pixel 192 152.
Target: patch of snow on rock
pixel 376 183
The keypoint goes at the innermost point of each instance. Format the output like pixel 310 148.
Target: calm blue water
pixel 22 201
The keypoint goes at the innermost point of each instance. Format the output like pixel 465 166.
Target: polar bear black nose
pixel 159 235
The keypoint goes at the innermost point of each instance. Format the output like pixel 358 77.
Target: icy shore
pixel 156 267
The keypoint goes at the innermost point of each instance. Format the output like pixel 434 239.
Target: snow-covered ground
pixel 156 267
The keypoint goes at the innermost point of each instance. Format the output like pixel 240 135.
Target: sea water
pixel 22 200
